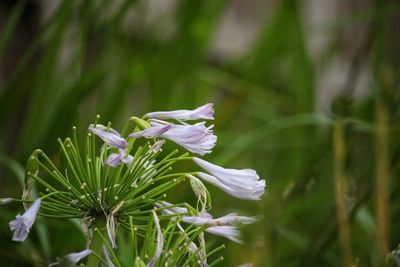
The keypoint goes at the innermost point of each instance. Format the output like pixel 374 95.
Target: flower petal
pixel 195 138
pixel 203 112
pixel 153 131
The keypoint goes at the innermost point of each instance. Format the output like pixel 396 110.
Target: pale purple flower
pixel 77 256
pixel 23 223
pixel 160 241
pixel 243 184
pixel 203 112
pixel 72 258
pixel 223 226
pixel 115 159
pixel 196 138
pixel 155 130
pixel 110 136
pixel 229 219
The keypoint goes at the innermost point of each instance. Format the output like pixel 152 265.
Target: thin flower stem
pixel 382 179
pixel 341 191
pixel 108 247
pixel 97 243
pixel 133 236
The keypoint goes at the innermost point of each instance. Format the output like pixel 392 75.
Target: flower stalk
pixel 96 244
pixel 341 191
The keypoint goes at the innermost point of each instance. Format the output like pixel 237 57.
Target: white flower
pixel 203 112
pixel 243 184
pixel 23 223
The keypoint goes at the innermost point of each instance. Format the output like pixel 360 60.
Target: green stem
pixel 97 242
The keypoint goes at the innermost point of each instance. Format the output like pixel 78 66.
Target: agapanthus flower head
pixel 23 223
pixel 110 136
pixel 243 184
pixel 120 185
pixel 205 112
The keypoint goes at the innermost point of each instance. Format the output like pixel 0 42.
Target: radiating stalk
pixel 382 179
pixel 341 192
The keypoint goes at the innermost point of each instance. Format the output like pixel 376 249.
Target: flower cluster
pixel 124 183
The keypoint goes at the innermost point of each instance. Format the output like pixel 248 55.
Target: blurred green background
pixel 305 92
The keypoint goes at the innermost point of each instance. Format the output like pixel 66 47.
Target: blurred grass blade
pixel 10 26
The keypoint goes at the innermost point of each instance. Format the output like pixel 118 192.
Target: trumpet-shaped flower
pixel 203 112
pixel 196 138
pixel 229 219
pixel 23 223
pixel 110 136
pixel 243 184
pixel 71 259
